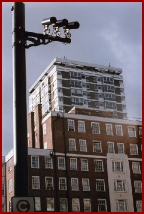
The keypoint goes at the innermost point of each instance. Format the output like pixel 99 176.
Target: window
pixel 83 146
pixel 61 163
pixel 120 148
pixel 81 126
pixel 49 183
pixel 95 128
pixel 118 166
pixel 121 205
pixel 102 205
pixel 139 206
pixel 45 145
pixel 133 149
pixel 48 163
pixel 110 147
pixel 9 165
pixel 3 189
pixel 63 205
pixel 3 207
pixel 44 128
pixel 73 163
pixel 100 185
pixel 37 204
pixel 34 162
pixel 87 205
pixel 109 130
pixel 99 166
pixel 85 184
pixel 74 184
pixel 35 182
pixel 140 131
pixel 138 186
pixel 62 184
pixel 72 144
pixel 119 131
pixel 136 167
pixel 10 185
pixel 97 147
pixel 50 204
pixel 75 205
pixel 131 131
pixel 119 186
pixel 84 165
pixel 71 126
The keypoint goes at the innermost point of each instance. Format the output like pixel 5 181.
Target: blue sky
pixel 108 32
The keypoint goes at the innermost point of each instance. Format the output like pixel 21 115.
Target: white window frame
pixel 71 125
pixel 136 167
pixel 84 166
pixel 120 203
pixel 72 144
pixel 140 131
pixel 74 184
pixel 110 147
pixel 130 132
pixel 109 129
pixel 63 205
pixel 119 185
pixel 138 186
pixel 37 204
pixel 61 164
pixel 10 165
pixel 85 184
pixel 10 185
pixel 45 145
pixel 133 151
pixel 81 126
pixel 35 182
pixel 102 202
pixel 100 165
pixel 87 204
pixel 73 163
pixel 115 167
pixel 97 146
pixel 77 205
pixel 95 128
pixel 48 163
pixel 44 129
pixel 34 161
pixel 100 185
pixel 120 148
pixel 49 185
pixel 51 207
pixel 83 145
pixel 119 131
pixel 62 183
pixel 139 205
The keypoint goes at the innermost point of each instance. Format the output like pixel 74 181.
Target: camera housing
pixel 72 25
pixel 49 21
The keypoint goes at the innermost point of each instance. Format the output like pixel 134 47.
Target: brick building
pixel 83 160
pixel 3 185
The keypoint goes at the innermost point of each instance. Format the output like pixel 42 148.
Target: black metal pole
pixel 19 102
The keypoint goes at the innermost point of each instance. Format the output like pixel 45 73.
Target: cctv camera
pixel 72 25
pixel 61 23
pixel 49 21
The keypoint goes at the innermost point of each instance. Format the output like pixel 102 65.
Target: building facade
pixel 66 83
pixel 83 160
pixel 3 185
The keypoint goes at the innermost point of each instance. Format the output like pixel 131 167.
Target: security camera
pixel 49 21
pixel 72 25
pixel 61 23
